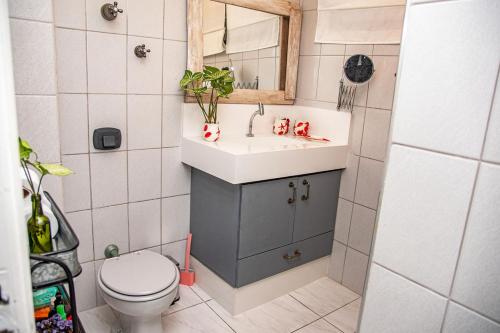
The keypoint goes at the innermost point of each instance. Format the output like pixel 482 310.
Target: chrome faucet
pixel 259 112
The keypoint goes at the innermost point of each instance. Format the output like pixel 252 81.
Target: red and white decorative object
pixel 301 128
pixel 281 126
pixel 211 132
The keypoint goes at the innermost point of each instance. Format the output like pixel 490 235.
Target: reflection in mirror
pixel 246 41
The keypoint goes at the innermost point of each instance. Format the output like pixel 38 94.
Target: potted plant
pixel 39 235
pixel 215 83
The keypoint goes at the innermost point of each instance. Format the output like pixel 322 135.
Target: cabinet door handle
pixel 295 255
pixel 308 188
pixel 294 193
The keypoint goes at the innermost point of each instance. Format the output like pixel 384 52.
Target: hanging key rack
pixel 358 70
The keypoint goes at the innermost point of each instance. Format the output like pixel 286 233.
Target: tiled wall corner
pixel 435 264
pixel 320 70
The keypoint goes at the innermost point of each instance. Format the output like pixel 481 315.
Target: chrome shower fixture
pixel 110 11
pixel 141 51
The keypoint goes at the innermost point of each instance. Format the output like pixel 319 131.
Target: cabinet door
pixel 317 198
pixel 267 214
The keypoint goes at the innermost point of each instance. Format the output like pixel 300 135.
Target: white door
pixel 16 305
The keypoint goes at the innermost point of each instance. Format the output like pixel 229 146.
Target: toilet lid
pixel 138 274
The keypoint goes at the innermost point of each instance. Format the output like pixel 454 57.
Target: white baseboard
pixel 237 300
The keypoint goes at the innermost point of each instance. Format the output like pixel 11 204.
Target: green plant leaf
pixel 24 149
pixel 54 169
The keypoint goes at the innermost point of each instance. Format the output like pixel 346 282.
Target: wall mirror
pixel 258 40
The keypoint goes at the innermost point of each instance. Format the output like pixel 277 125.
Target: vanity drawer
pixel 266 264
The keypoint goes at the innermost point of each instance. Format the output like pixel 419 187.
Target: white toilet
pixel 139 286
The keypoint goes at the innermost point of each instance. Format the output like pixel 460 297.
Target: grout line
pixel 290 294
pixel 230 327
pixel 343 306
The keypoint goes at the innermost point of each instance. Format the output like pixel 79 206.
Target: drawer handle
pixel 295 255
pixel 308 188
pixel 294 193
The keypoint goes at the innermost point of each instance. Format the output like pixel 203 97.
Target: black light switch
pixel 107 138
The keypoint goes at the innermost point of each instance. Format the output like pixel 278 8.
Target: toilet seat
pixel 138 277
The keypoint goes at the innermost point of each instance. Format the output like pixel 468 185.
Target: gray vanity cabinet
pixel 266 220
pixel 316 204
pixel 247 232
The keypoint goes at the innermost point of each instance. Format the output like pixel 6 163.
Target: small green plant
pixel 29 158
pixel 213 82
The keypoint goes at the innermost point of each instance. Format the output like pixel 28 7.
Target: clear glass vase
pixel 39 228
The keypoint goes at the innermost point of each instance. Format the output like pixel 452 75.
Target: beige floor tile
pixel 282 315
pixel 196 319
pixel 201 293
pixel 99 320
pixel 320 326
pixel 346 318
pixel 324 296
pixel 188 298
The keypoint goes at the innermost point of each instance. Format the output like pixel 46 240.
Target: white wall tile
pixel 267 72
pixel 349 177
pixel 144 174
pixel 356 129
pixel 478 273
pixel 491 151
pixel 462 320
pixel 172 121
pixel 309 4
pixel 175 218
pixel 369 183
pixel 145 224
pixel 355 267
pixel 375 133
pixel 249 71
pixel 71 51
pixel 176 176
pixel 269 52
pixel 176 250
pixel 97 268
pixel 38 123
pixel 361 231
pixel 145 18
pixel 70 14
pixel 307 44
pixel 307 77
pixel 106 63
pixel 353 49
pixel 343 220
pixel 337 259
pixel 330 72
pixel 33 54
pixel 175 20
pixel 144 75
pixel 426 196
pixel 107 111
pixel 110 225
pixel 53 185
pixel 454 121
pixel 386 50
pixel 76 186
pixel 381 86
pixel 394 305
pixel 333 49
pixel 108 178
pixel 38 10
pixel 85 288
pixel 174 65
pixel 96 22
pixel 74 125
pixel 81 222
pixel 144 121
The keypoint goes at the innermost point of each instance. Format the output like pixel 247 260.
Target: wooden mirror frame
pixel 291 18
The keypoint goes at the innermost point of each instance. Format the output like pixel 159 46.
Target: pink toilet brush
pixel 187 275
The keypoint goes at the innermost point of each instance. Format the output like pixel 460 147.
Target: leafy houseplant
pixel 213 82
pixel 38 225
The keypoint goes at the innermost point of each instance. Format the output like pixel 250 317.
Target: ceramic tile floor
pixel 323 306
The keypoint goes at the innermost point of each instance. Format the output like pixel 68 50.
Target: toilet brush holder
pixel 187 274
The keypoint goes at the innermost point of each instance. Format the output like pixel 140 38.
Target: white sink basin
pixel 240 159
